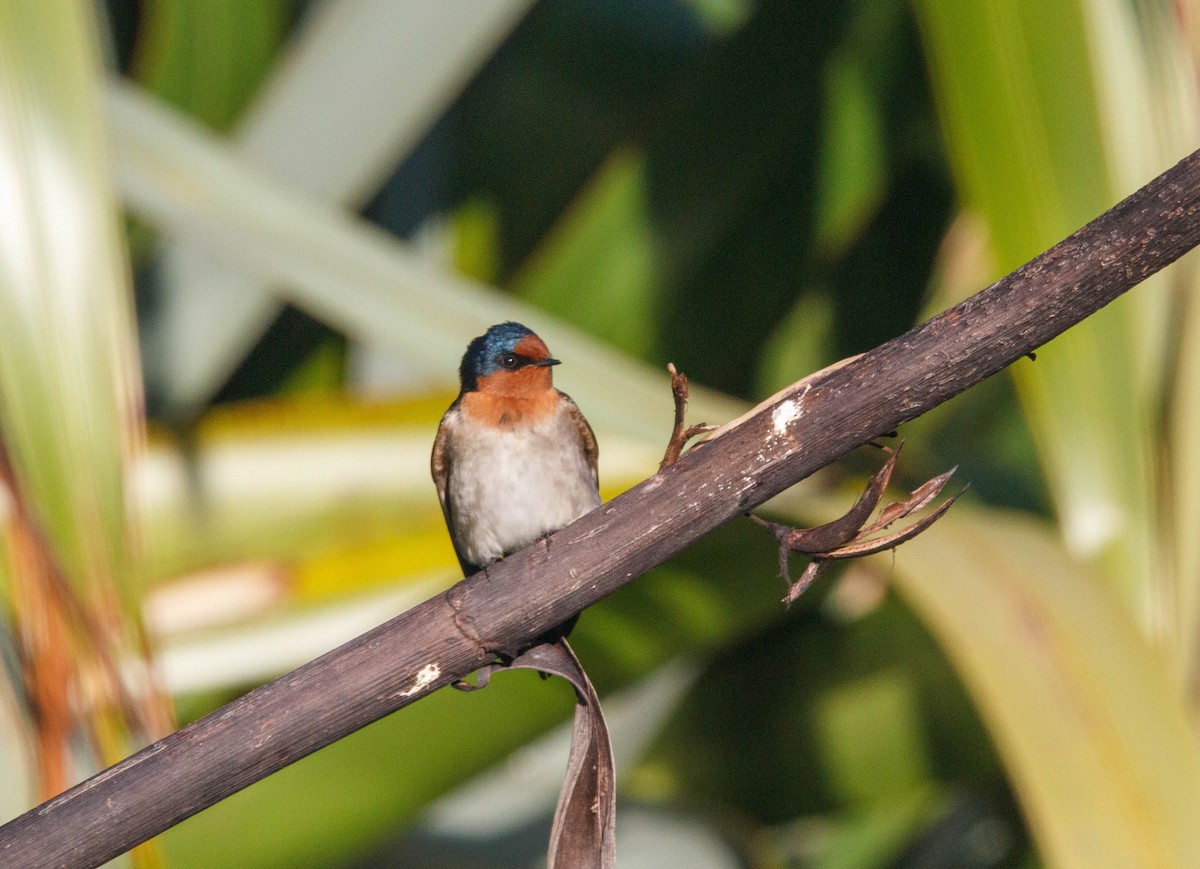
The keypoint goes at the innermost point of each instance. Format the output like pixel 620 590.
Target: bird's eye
pixel 510 361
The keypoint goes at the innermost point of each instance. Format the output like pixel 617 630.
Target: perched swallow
pixel 514 459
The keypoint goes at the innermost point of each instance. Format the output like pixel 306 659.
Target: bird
pixel 514 458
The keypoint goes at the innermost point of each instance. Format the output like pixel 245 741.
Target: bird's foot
pixel 525 657
pixel 502 661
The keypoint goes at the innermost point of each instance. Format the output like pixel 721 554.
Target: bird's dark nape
pixel 468 377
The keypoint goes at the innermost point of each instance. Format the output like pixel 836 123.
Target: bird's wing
pixel 439 466
pixel 588 437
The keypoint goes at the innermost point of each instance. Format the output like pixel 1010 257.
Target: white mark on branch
pixel 426 676
pixel 788 411
pixel 785 413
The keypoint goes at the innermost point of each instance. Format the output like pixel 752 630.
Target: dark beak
pixel 546 363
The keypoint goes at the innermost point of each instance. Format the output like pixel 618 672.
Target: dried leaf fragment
pixel 850 536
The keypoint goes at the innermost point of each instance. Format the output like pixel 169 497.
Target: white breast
pixel 510 486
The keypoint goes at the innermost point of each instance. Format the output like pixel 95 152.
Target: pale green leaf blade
pixel 1156 91
pixel 1089 725
pixel 383 69
pixel 69 383
pixel 206 56
pixel 359 279
pixel 1027 142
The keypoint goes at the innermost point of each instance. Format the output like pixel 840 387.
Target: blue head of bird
pixel 508 359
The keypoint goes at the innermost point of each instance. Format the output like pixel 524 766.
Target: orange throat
pixel 510 398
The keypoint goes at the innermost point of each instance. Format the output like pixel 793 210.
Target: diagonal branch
pixel 743 464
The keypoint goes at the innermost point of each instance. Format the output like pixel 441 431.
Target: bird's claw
pixel 483 675
pixel 540 656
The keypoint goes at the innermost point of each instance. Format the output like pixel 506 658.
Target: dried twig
pixel 679 434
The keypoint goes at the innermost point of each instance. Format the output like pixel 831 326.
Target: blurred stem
pixel 45 659
pixel 70 399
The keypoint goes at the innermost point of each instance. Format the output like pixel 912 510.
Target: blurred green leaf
pixel 476 241
pixel 599 266
pixel 208 57
pixel 70 414
pixel 1092 732
pixel 722 16
pixel 800 343
pixel 852 171
pixel 869 762
pixel 1030 133
pixel 70 390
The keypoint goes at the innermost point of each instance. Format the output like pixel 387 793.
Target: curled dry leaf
pixel 921 498
pixel 839 532
pixel 874 545
pixel 583 833
pixel 850 536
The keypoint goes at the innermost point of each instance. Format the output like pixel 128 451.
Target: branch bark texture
pixel 782 441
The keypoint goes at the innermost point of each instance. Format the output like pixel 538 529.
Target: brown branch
pixel 781 442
